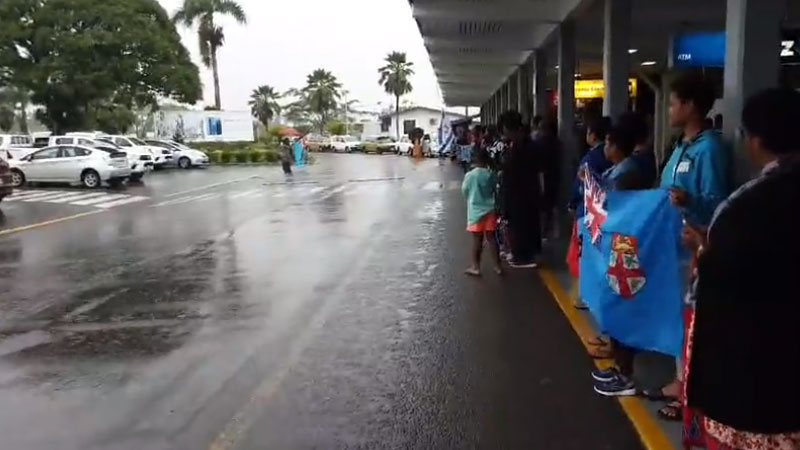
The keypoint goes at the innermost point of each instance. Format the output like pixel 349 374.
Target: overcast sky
pixel 284 41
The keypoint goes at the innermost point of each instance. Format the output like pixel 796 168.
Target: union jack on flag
pixel 594 200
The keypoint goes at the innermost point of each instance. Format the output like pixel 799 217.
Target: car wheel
pixel 136 177
pixel 184 163
pixel 17 178
pixel 91 179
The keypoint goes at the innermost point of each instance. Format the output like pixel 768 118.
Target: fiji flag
pixel 630 268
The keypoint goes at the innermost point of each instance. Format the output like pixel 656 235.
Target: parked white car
pixel 404 146
pixel 138 159
pixel 182 156
pixel 346 144
pixel 89 166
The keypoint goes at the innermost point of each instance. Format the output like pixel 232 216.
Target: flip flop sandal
pixel 672 412
pixel 658 395
pixel 598 341
pixel 473 272
pixel 601 353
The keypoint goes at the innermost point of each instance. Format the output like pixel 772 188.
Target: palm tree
pixel 322 93
pixel 395 77
pixel 264 104
pixel 210 35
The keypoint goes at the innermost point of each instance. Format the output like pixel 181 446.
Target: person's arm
pixel 466 184
pixel 712 168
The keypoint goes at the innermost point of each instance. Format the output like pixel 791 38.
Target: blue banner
pixel 631 267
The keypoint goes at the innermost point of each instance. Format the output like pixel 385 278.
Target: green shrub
pixel 225 157
pixel 215 157
pixel 229 146
pixel 257 156
pixel 272 156
pixel 242 156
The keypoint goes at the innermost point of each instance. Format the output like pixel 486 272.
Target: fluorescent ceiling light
pixel 633 50
pixel 649 63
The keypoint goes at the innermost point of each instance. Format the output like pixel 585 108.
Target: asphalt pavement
pixel 236 308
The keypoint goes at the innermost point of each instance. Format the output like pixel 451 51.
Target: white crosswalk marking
pixel 47 198
pixel 123 201
pixel 206 197
pixel 75 197
pixel 36 194
pixel 316 190
pixel 93 201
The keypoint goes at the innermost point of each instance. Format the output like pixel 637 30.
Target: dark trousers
pixel 623 357
pixel 525 230
pixel 287 167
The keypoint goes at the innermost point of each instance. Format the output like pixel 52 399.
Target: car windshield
pixel 106 148
pixel 137 141
pixel 108 143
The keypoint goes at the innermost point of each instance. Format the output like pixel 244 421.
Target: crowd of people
pixel 735 387
pixel 511 187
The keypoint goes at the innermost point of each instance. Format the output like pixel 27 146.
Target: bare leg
pixel 477 249
pixel 495 251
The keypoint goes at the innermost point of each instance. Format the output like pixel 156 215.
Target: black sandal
pixel 658 395
pixel 672 412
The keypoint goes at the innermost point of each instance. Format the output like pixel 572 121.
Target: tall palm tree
pixel 210 35
pixel 395 79
pixel 322 93
pixel 264 104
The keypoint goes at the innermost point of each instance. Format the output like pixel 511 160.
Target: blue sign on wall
pixel 708 49
pixel 699 50
pixel 214 126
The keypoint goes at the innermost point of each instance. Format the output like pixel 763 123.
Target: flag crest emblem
pixel 625 274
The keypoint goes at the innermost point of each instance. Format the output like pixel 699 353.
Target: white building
pixel 429 119
pixel 205 126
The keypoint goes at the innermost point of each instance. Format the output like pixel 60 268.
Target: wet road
pixel 230 309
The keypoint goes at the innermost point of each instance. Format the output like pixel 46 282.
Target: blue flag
pixel 631 267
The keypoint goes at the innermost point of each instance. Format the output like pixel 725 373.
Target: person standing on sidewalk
pixel 480 188
pixel 520 192
pixel 744 362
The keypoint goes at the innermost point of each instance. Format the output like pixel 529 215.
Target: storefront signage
pixel 587 89
pixel 708 49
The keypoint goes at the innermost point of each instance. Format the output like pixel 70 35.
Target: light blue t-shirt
pixel 701 167
pixel 479 187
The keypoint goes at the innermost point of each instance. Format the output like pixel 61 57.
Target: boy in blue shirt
pixel 697 173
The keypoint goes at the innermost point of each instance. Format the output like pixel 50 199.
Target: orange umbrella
pixel 290 132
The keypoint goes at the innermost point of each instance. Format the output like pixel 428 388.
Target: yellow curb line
pixel 650 432
pixel 49 222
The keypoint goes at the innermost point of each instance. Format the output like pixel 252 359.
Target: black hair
pixel 482 156
pixel 479 129
pixel 599 126
pixel 622 136
pixel 771 115
pixel 537 120
pixel 511 121
pixel 695 88
pixel 636 125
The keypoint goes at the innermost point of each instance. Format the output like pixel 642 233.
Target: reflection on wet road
pixel 233 308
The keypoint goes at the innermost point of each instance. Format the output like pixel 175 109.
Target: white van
pixel 15 146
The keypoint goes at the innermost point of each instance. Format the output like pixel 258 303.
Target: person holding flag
pixel 697 176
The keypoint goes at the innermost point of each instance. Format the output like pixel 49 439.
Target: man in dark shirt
pixel 520 192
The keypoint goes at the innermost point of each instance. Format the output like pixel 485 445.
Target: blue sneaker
pixel 605 375
pixel 618 387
